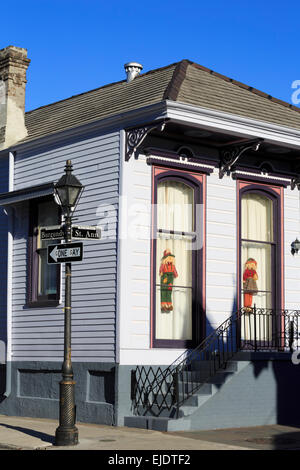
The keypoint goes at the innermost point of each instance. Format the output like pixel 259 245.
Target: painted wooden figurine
pixel 249 282
pixel 167 272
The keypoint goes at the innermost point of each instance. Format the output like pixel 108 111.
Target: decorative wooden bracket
pixel 295 182
pixel 230 155
pixel 136 135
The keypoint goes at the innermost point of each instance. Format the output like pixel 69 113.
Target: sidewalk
pixel 17 433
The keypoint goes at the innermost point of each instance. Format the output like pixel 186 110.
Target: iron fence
pixel 161 391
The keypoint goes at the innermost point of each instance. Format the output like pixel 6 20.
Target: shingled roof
pixel 184 81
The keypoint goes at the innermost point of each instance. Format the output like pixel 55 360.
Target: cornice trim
pixel 262 178
pixel 233 124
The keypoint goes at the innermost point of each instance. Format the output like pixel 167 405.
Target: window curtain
pixel 257 218
pixel 257 255
pixel 175 212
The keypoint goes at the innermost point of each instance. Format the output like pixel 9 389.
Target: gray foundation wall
pixel 263 391
pixel 35 391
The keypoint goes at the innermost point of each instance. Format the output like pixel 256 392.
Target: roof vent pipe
pixel 132 69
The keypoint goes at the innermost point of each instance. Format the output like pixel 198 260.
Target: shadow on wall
pixel 280 381
pixel 209 328
pixel 101 386
pixel 287 378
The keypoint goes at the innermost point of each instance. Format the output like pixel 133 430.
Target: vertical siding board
pixel 96 164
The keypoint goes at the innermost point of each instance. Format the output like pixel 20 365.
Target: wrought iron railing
pixel 156 391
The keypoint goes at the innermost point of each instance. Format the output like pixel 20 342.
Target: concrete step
pixel 193 375
pixel 231 366
pixel 191 401
pixel 162 412
pixel 197 388
pixel 207 366
pixel 147 422
pixel 167 411
pixel 157 424
pixel 220 378
pixel 204 389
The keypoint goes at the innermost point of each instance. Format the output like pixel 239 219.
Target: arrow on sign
pixel 65 253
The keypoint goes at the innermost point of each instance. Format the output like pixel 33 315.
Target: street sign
pixel 56 232
pixel 86 233
pixel 65 252
pixel 53 232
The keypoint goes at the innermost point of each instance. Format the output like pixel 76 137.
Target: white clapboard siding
pixel 134 304
pixel 292 263
pixel 220 249
pixel 37 333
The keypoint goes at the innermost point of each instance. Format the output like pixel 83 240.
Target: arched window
pixel 260 249
pixel 175 269
pixel 260 264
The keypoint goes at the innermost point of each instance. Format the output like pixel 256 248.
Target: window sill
pixel 173 344
pixel 43 304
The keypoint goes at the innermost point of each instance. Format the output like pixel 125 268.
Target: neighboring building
pixel 219 161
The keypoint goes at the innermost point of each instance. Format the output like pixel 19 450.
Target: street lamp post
pixel 68 190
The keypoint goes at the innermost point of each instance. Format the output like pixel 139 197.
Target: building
pixel 193 178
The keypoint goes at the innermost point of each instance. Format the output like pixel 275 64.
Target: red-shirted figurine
pixel 249 282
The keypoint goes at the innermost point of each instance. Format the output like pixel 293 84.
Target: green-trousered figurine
pixel 167 272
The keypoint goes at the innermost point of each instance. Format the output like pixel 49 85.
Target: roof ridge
pixel 104 86
pixel 173 88
pixel 246 87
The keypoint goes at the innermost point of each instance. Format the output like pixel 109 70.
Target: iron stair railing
pixel 158 390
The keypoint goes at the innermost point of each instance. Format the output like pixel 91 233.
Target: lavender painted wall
pixel 37 333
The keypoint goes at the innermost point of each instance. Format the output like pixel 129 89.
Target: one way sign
pixel 65 253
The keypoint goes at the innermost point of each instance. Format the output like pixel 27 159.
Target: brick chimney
pixel 13 66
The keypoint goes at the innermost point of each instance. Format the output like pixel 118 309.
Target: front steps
pixel 255 389
pixel 167 419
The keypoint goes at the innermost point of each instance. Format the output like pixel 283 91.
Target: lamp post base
pixel 66 436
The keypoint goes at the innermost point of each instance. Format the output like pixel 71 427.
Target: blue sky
pixel 78 45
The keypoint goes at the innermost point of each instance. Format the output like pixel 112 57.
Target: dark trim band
pixel 26 194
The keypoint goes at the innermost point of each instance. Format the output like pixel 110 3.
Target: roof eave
pixel 116 122
pixel 232 124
